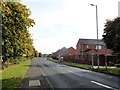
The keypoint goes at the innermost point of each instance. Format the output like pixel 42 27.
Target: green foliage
pixel 40 54
pixel 16 39
pixel 12 76
pixel 35 52
pixel 111 35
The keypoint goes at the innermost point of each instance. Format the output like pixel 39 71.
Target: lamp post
pixel 105 58
pixel 97 32
pixel 92 61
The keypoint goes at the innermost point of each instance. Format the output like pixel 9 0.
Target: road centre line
pixel 74 73
pixel 103 85
pixel 60 67
pixel 71 72
pixel 100 84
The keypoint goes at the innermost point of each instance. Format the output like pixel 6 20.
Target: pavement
pixel 34 78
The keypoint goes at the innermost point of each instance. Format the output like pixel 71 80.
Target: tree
pixel 35 52
pixel 111 36
pixel 40 54
pixel 16 39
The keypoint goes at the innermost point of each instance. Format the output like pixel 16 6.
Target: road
pixel 62 76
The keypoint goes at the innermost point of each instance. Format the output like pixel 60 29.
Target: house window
pixel 98 47
pixel 87 46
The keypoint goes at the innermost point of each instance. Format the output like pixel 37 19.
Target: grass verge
pixel 102 69
pixel 110 69
pixel 13 75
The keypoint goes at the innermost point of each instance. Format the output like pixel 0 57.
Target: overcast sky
pixel 60 23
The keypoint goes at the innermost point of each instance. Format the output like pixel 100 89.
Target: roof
pixel 61 51
pixel 90 41
pixel 70 51
pixel 102 51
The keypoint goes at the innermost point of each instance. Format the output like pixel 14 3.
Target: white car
pixel 60 58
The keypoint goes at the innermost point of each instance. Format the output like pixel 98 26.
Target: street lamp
pixel 97 32
pixel 105 58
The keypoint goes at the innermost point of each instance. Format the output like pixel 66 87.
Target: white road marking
pixel 46 78
pixel 42 72
pixel 74 73
pixel 71 71
pixel 103 85
pixel 60 67
pixel 78 74
pixel 34 83
pixel 49 83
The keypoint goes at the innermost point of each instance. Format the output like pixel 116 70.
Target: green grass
pixel 111 70
pixel 13 75
pixel 76 65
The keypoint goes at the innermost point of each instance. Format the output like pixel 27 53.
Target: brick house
pixel 58 53
pixel 89 46
pixel 87 49
pixel 69 55
pixel 85 52
pixel 70 52
pixel 61 51
pixel 65 52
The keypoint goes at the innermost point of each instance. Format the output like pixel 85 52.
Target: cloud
pixel 61 23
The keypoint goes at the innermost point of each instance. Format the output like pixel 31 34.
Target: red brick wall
pixel 70 51
pixel 80 46
pixel 86 61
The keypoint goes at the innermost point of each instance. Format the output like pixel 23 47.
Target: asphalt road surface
pixel 62 76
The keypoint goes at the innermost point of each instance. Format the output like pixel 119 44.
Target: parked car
pixel 60 59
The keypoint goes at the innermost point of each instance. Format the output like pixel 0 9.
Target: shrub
pixel 111 64
pixel 117 65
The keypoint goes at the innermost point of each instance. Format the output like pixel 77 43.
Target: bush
pixel 118 61
pixel 13 61
pixel 111 64
pixel 117 65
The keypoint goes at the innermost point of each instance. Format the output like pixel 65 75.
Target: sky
pixel 60 23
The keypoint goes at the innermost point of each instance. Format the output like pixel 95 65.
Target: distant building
pixel 59 53
pixel 65 52
pixel 70 52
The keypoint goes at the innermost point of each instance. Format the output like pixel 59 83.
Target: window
pixel 87 46
pixel 98 47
